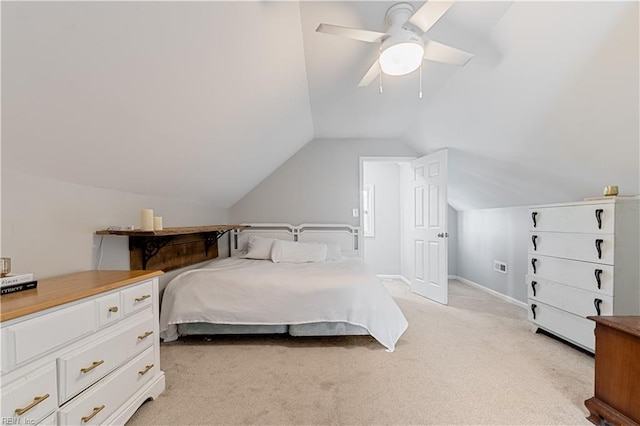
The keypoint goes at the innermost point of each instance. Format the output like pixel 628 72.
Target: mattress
pixel 236 291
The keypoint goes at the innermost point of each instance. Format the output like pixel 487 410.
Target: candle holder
pixel 5 266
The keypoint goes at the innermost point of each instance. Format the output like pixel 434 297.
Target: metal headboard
pixel 346 236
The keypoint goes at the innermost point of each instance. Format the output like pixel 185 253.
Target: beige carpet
pixel 472 362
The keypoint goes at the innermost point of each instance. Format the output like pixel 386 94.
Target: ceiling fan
pixel 404 46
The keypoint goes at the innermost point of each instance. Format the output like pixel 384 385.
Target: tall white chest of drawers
pixel 583 260
pixel 81 349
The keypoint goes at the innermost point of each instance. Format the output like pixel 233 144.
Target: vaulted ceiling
pixel 203 100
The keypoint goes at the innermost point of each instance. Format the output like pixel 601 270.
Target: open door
pixel 428 227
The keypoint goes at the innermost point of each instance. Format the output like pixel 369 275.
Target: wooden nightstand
pixel 617 372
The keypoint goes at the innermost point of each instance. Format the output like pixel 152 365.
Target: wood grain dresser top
pixel 63 289
pixel 628 324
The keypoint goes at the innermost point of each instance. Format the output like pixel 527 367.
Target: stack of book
pixel 17 282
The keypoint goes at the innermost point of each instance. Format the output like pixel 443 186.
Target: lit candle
pixel 157 223
pixel 146 220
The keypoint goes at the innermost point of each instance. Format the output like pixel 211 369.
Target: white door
pixel 428 226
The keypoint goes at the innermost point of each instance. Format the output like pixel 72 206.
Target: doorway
pixel 404 220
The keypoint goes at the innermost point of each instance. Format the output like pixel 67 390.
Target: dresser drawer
pixel 34 393
pixel 570 299
pixel 137 298
pixel 581 219
pixel 594 277
pixel 109 309
pixel 52 420
pixel 80 369
pixel 586 247
pixel 37 336
pixel 138 337
pixel 569 326
pixel 95 405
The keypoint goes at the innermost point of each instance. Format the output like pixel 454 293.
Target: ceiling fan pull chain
pixel 380 78
pixel 420 80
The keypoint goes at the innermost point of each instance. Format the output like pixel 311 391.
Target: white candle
pixel 146 220
pixel 157 223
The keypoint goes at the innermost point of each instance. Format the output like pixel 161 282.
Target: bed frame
pixel 346 236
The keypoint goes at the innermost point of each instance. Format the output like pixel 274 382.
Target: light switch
pixel 356 213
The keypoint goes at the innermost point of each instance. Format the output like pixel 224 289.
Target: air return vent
pixel 499 266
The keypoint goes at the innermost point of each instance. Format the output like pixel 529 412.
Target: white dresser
pixel 81 349
pixel 583 260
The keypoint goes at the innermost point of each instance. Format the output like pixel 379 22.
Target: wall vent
pixel 499 266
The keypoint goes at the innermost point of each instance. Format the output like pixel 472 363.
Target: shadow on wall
pixel 478 182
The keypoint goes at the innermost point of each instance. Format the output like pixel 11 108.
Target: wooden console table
pixel 617 372
pixel 172 248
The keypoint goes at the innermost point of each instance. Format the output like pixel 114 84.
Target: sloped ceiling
pixel 203 100
pixel 195 100
pixel 547 111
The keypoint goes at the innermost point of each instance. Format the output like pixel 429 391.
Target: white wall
pixel 452 241
pixel 494 234
pixel 382 251
pixel 319 183
pixel 48 227
pixel 406 205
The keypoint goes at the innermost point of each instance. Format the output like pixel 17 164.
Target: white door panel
pixel 428 226
pixel 419 261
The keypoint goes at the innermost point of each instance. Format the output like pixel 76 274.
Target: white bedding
pixel 248 291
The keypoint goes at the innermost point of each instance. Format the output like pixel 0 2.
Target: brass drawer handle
pixel 113 309
pixel 96 410
pixel 146 370
pixel 37 400
pixel 145 335
pixel 141 298
pixel 93 365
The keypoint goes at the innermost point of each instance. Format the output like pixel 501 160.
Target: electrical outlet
pixel 356 212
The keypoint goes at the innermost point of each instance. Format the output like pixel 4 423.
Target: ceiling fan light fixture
pixel 401 58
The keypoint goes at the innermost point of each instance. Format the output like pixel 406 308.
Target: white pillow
pixel 259 247
pixel 334 252
pixel 295 252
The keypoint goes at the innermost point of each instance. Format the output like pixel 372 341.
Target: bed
pixel 306 280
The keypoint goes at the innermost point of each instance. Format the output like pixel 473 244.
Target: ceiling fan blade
pixel 354 33
pixel 439 52
pixel 373 72
pixel 429 13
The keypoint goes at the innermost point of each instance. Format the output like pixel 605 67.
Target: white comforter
pixel 245 291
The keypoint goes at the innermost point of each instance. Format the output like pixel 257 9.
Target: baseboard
pixel 395 277
pixel 490 291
